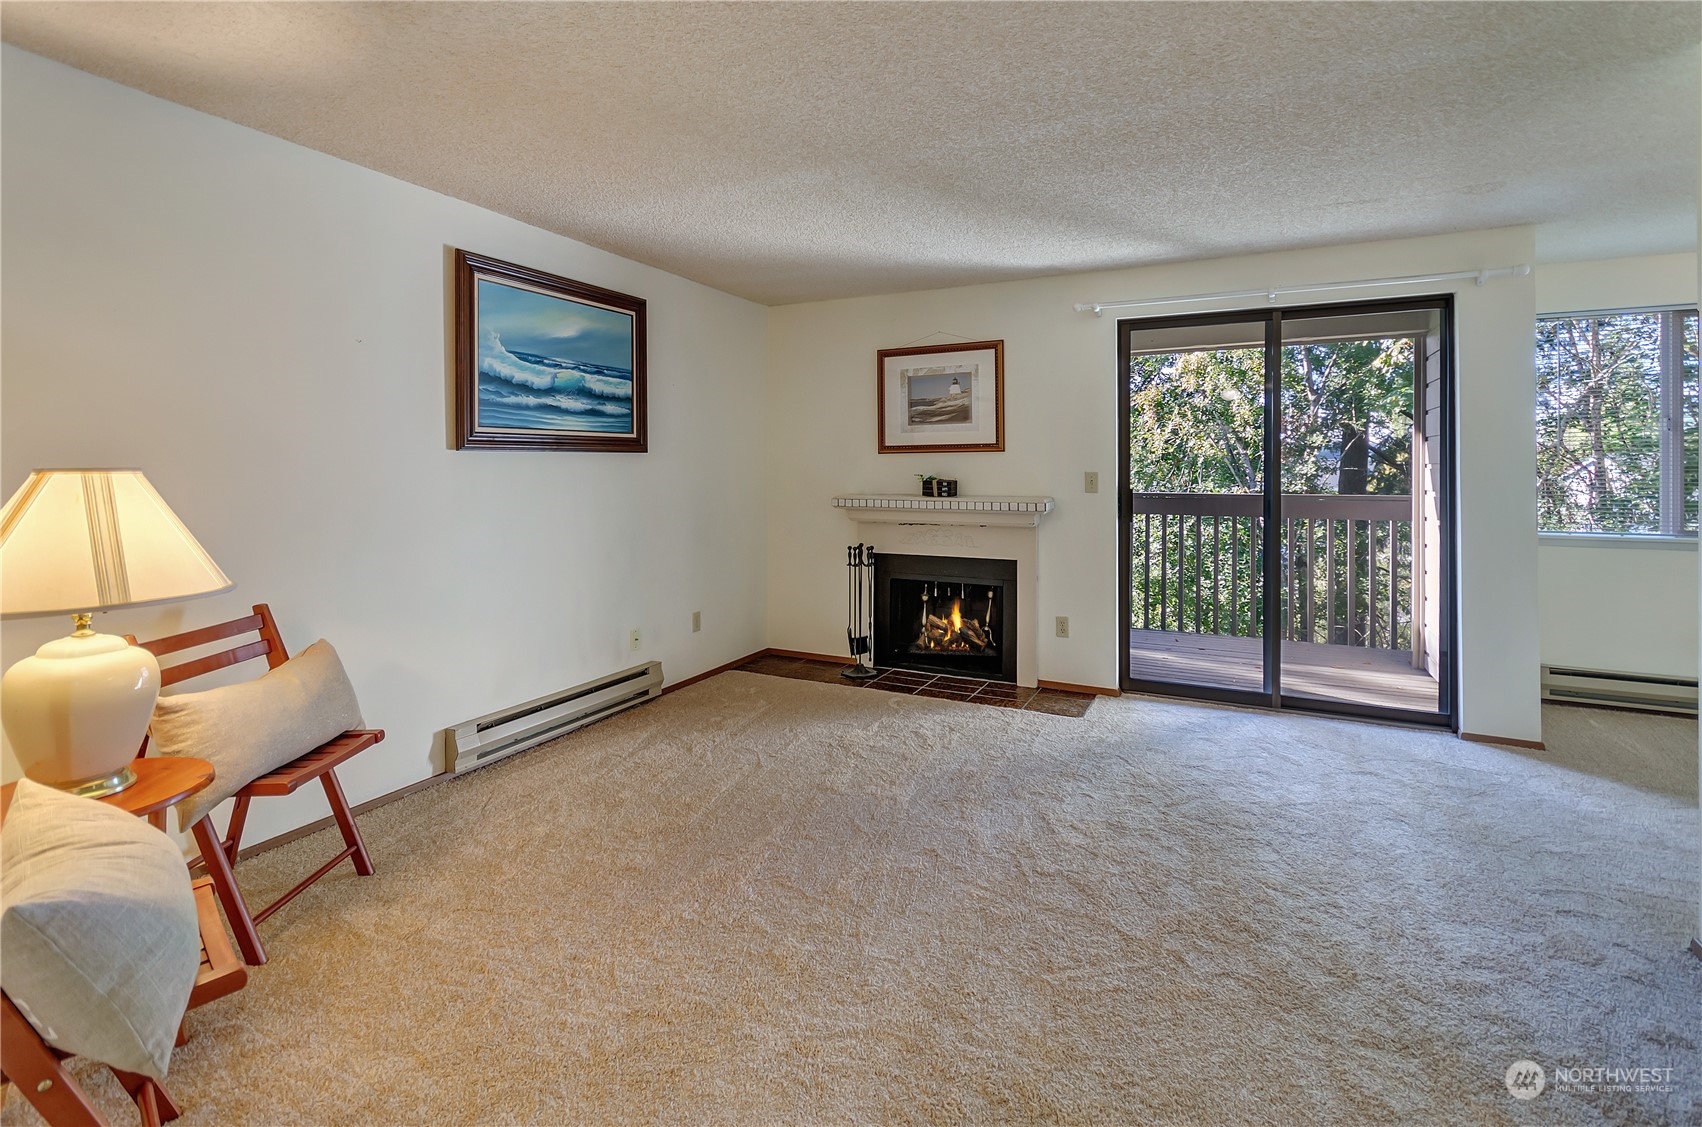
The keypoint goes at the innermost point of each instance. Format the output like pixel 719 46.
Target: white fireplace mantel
pixel 986 527
pixel 894 508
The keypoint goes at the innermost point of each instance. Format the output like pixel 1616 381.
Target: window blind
pixel 1617 423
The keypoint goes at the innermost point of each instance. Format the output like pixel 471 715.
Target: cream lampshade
pixel 75 542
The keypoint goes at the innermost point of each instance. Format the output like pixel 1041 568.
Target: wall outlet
pixel 1063 627
pixel 1090 482
pixel 696 621
pixel 632 639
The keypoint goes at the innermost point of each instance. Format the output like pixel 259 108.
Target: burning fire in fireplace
pixel 956 623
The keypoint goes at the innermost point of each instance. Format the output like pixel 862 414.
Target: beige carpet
pixel 766 901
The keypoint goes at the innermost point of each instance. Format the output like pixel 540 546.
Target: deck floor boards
pixel 1381 678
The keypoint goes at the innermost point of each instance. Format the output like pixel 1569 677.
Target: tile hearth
pixel 996 693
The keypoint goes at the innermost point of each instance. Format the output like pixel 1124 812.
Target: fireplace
pixel 972 530
pixel 946 614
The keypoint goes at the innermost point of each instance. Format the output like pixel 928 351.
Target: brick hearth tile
pixel 960 684
pixel 944 694
pixel 997 694
pixel 1005 692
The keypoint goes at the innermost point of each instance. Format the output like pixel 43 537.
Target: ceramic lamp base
pixel 76 712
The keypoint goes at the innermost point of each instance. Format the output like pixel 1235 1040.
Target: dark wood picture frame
pixel 472 432
pixel 911 432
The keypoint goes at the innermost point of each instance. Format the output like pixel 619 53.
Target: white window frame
pixel 1671 496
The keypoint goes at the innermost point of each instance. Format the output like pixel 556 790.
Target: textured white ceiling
pixel 791 152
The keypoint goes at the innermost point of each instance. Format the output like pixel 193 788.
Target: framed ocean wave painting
pixel 543 362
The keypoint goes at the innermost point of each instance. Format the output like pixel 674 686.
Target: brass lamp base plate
pixel 103 786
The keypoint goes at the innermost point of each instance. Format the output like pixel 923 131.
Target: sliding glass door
pixel 1286 511
pixel 1356 438
pixel 1195 484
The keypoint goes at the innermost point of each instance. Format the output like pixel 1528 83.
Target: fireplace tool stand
pixel 859 611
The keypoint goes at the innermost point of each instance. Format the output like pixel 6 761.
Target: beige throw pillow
pixel 257 726
pixel 98 925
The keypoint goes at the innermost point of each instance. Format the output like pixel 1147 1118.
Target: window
pixel 1617 405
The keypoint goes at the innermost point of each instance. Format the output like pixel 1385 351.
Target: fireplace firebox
pixel 946 614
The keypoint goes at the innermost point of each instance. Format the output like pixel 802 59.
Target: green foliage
pixel 1197 425
pixel 1337 396
pixel 1198 418
pixel 1599 423
pixel 1198 422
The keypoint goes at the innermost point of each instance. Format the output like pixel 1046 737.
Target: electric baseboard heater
pixel 501 734
pixel 1640 691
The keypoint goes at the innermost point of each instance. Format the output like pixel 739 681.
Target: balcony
pixel 1346 620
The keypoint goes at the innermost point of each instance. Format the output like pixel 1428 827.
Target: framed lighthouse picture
pixel 942 397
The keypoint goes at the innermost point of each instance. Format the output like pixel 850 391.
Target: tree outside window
pixel 1617 407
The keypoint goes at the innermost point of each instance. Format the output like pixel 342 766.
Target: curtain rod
pixel 1480 276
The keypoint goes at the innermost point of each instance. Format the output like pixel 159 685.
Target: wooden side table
pixel 162 781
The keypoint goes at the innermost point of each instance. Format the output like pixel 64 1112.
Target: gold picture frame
pixel 941 397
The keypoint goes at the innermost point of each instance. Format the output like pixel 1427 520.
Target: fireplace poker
pixel 859 565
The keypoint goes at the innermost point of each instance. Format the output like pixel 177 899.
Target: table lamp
pixel 75 542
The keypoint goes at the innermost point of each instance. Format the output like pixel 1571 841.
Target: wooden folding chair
pixel 38 1069
pixel 321 763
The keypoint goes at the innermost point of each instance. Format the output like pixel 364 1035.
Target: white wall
pixel 1616 283
pixel 1609 604
pixel 265 330
pixel 1063 418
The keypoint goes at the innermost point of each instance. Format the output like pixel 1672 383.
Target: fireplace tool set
pixel 859 611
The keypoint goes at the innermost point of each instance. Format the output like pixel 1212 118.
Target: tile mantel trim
pixel 892 508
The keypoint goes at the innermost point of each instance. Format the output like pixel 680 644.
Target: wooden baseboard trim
pixel 708 673
pixel 328 821
pixel 1534 745
pixel 804 655
pixel 1067 687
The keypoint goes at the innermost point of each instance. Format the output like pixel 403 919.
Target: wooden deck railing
pixel 1346 566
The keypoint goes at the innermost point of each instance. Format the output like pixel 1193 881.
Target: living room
pixel 269 332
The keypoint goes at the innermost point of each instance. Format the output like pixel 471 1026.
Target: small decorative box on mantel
pixel 939 487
